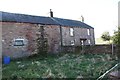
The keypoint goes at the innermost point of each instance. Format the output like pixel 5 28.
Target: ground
pixel 60 66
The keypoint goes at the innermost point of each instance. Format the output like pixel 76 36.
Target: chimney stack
pixel 51 13
pixel 82 18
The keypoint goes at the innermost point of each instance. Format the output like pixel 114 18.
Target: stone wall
pixel 11 31
pixel 79 33
pixel 29 32
pixel 95 49
pixel 92 36
pixel 52 33
pixel 101 49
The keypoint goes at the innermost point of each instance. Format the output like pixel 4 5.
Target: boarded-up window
pixel 71 32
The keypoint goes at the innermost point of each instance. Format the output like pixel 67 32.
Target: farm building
pixel 20 33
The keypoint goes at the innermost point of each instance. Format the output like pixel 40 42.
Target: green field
pixel 60 66
pixel 100 41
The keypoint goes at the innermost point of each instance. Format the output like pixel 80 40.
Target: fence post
pixel 112 49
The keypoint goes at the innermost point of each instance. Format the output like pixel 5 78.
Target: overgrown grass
pixel 62 66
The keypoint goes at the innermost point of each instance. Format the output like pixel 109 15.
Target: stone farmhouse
pixel 20 33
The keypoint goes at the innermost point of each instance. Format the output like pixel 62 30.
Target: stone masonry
pixel 29 32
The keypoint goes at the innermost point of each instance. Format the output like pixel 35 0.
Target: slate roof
pixel 68 22
pixel 13 17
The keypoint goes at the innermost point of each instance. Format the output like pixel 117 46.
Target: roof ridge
pixel 23 14
pixel 17 17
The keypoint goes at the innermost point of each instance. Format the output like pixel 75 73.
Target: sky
pixel 100 14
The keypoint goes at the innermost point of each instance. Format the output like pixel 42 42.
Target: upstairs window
pixel 19 42
pixel 71 32
pixel 88 31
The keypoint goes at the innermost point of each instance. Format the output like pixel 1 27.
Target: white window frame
pixel 19 42
pixel 89 42
pixel 82 42
pixel 88 31
pixel 71 32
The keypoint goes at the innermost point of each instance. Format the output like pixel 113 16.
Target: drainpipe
pixel 61 39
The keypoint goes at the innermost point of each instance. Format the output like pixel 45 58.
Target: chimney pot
pixel 82 18
pixel 51 13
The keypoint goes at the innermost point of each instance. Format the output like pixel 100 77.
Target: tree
pixel 116 36
pixel 106 36
pixel 42 42
pixel 116 40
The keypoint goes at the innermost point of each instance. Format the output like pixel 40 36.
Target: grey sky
pixel 101 14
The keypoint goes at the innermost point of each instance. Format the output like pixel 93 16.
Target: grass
pixel 63 66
